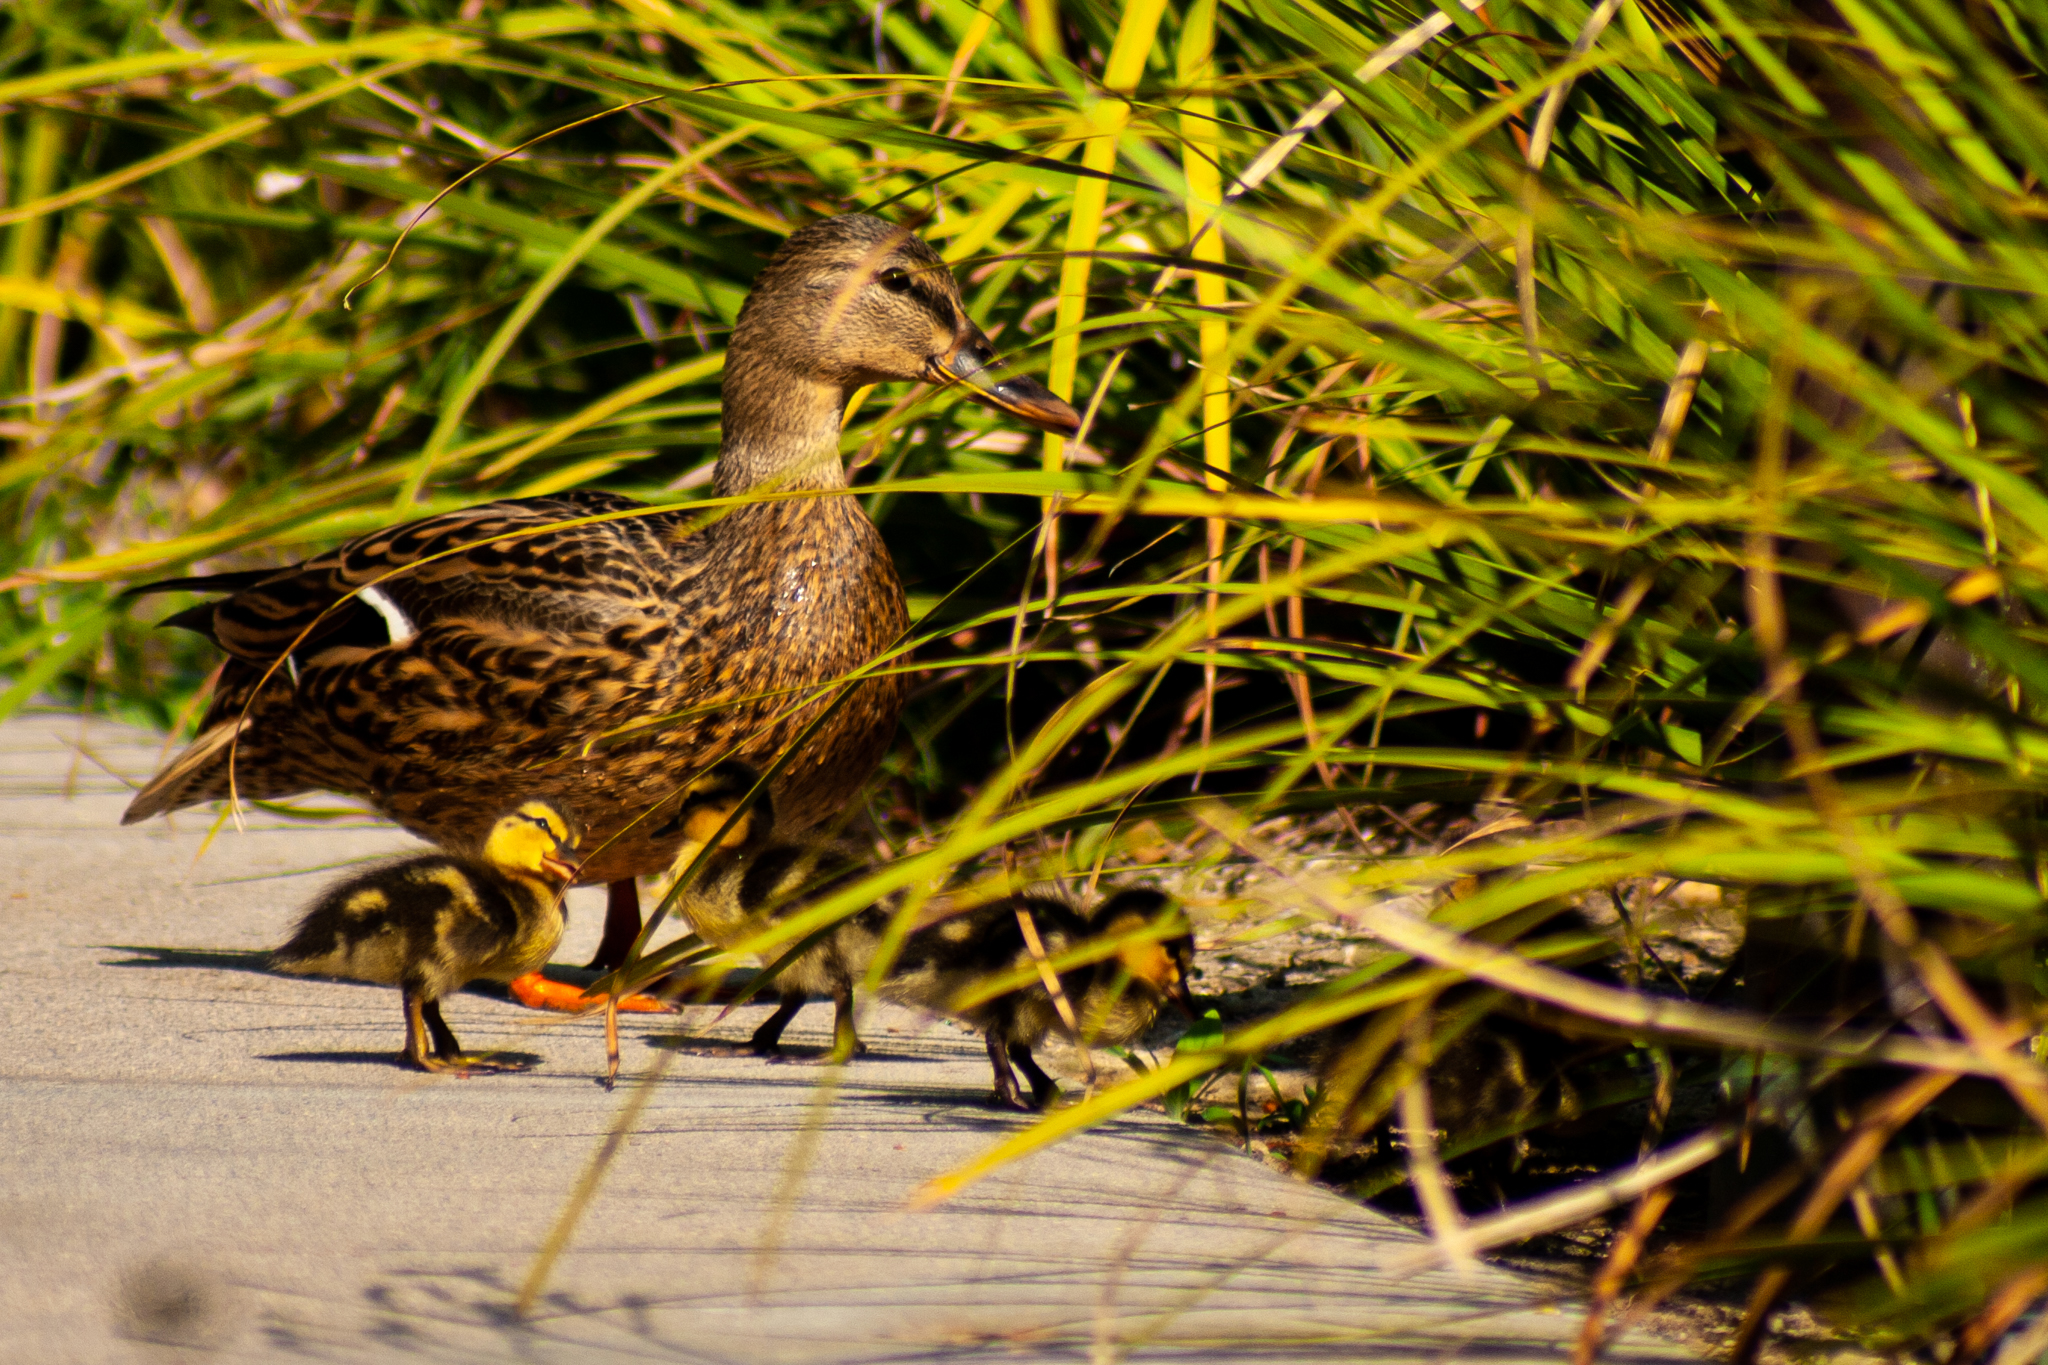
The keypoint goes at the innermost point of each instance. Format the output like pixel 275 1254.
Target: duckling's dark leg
pixel 1043 1089
pixel 423 1021
pixel 767 1039
pixel 1006 1079
pixel 445 1044
pixel 846 1043
pixel 415 1053
pixel 621 924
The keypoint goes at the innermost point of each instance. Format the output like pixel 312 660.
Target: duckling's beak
pixel 1182 998
pixel 561 864
pixel 970 362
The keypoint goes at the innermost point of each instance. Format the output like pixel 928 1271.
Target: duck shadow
pixel 386 1058
pixel 791 1054
pixel 223 959
pixel 518 1062
pixel 967 1106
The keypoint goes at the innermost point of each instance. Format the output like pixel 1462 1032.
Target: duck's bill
pixel 1023 398
pixel 563 867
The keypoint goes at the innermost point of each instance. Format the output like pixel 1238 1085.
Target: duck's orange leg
pixel 621 927
pixel 536 992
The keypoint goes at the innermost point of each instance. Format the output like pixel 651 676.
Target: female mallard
pixel 432 667
pixel 432 923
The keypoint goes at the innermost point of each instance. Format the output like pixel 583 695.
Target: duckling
pixel 430 666
pixel 432 923
pixel 1113 999
pixel 754 880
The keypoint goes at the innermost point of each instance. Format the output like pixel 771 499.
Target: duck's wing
pixel 533 562
pixel 434 635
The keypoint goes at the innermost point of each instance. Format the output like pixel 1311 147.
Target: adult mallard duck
pixel 431 668
pixel 432 923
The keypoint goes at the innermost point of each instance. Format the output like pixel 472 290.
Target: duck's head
pixel 1160 951
pixel 849 301
pixel 535 840
pixel 710 799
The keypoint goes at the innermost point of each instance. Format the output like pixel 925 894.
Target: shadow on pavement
pixel 388 1058
pixel 227 959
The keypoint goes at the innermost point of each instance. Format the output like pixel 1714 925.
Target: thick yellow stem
pixel 1101 128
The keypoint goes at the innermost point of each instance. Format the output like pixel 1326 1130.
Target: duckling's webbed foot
pixel 469 1063
pixel 1043 1088
pixel 1007 1095
pixel 767 1039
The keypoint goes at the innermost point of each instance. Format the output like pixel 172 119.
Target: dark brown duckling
pixel 432 923
pixel 754 880
pixel 1113 999
pixel 430 666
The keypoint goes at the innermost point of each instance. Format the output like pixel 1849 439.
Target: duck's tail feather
pixel 210 582
pixel 198 774
pixel 199 618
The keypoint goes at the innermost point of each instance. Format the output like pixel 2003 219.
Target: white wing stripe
pixel 395 620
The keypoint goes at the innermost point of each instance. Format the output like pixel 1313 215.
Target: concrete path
pixel 199 1160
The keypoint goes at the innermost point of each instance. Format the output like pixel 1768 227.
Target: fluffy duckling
pixel 754 880
pixel 949 967
pixel 432 923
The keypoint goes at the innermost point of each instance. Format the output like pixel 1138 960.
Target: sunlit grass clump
pixel 1577 456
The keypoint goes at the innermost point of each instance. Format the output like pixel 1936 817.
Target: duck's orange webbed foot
pixel 537 992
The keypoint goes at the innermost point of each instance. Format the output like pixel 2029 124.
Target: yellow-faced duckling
pixel 1111 997
pixel 431 666
pixel 432 923
pixel 753 880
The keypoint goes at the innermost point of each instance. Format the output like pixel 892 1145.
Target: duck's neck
pixel 778 429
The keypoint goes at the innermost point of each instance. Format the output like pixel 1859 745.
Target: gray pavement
pixel 200 1160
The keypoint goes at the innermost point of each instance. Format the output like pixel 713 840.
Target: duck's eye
pixel 894 280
